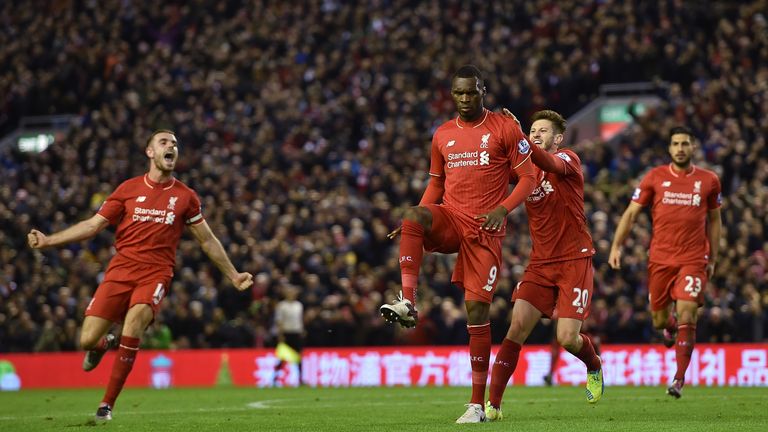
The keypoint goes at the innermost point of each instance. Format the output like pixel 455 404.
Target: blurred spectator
pixel 305 130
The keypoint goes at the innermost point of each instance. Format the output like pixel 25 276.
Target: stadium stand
pixel 306 129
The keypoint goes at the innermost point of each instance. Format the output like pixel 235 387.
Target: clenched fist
pixel 36 239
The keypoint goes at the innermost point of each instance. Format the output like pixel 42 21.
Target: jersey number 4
pixel 693 285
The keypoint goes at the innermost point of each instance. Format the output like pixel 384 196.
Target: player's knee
pixel 569 340
pixel 88 340
pixel 516 332
pixel 659 322
pixel 418 215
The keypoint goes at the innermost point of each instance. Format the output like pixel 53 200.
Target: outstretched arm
pixel 548 162
pixel 81 231
pixel 622 231
pixel 215 251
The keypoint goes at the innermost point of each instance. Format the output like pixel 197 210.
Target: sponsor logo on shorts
pixel 158 295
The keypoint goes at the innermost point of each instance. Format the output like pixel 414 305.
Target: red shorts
pixel 126 284
pixel 667 283
pixel 560 289
pixel 478 264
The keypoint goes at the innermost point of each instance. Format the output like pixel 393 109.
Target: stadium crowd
pixel 305 130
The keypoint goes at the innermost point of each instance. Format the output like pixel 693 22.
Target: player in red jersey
pixel 150 212
pixel 464 210
pixel 559 277
pixel 685 208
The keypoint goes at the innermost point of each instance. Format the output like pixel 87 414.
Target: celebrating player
pixel 464 210
pixel 559 276
pixel 685 208
pixel 150 212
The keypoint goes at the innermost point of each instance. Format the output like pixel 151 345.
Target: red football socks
pixel 686 337
pixel 126 354
pixel 411 254
pixel 479 357
pixel 503 368
pixel 587 354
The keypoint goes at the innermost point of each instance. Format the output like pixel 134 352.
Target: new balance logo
pixel 451 143
pixel 666 184
pixel 141 199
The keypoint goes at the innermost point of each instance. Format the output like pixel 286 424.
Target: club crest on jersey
pixel 484 142
pixel 697 186
pixel 172 203
pixel 523 147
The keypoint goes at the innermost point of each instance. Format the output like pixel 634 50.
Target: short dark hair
pixel 159 131
pixel 681 130
pixel 558 122
pixel 469 71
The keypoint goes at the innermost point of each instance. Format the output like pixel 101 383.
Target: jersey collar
pixel 475 123
pixel 688 172
pixel 154 185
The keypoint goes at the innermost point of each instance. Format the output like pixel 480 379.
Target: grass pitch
pixel 385 409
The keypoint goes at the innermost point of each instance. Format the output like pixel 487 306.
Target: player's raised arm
pixel 83 230
pixel 519 153
pixel 546 135
pixel 622 231
pixel 215 251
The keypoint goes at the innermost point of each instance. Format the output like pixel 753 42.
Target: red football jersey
pixel 679 206
pixel 150 218
pixel 556 213
pixel 476 159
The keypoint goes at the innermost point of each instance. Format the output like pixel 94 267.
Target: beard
pixel 683 163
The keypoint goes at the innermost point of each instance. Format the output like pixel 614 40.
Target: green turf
pixel 385 409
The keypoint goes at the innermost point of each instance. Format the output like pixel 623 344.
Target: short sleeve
pixel 644 193
pixel 113 208
pixel 194 210
pixel 714 200
pixel 572 161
